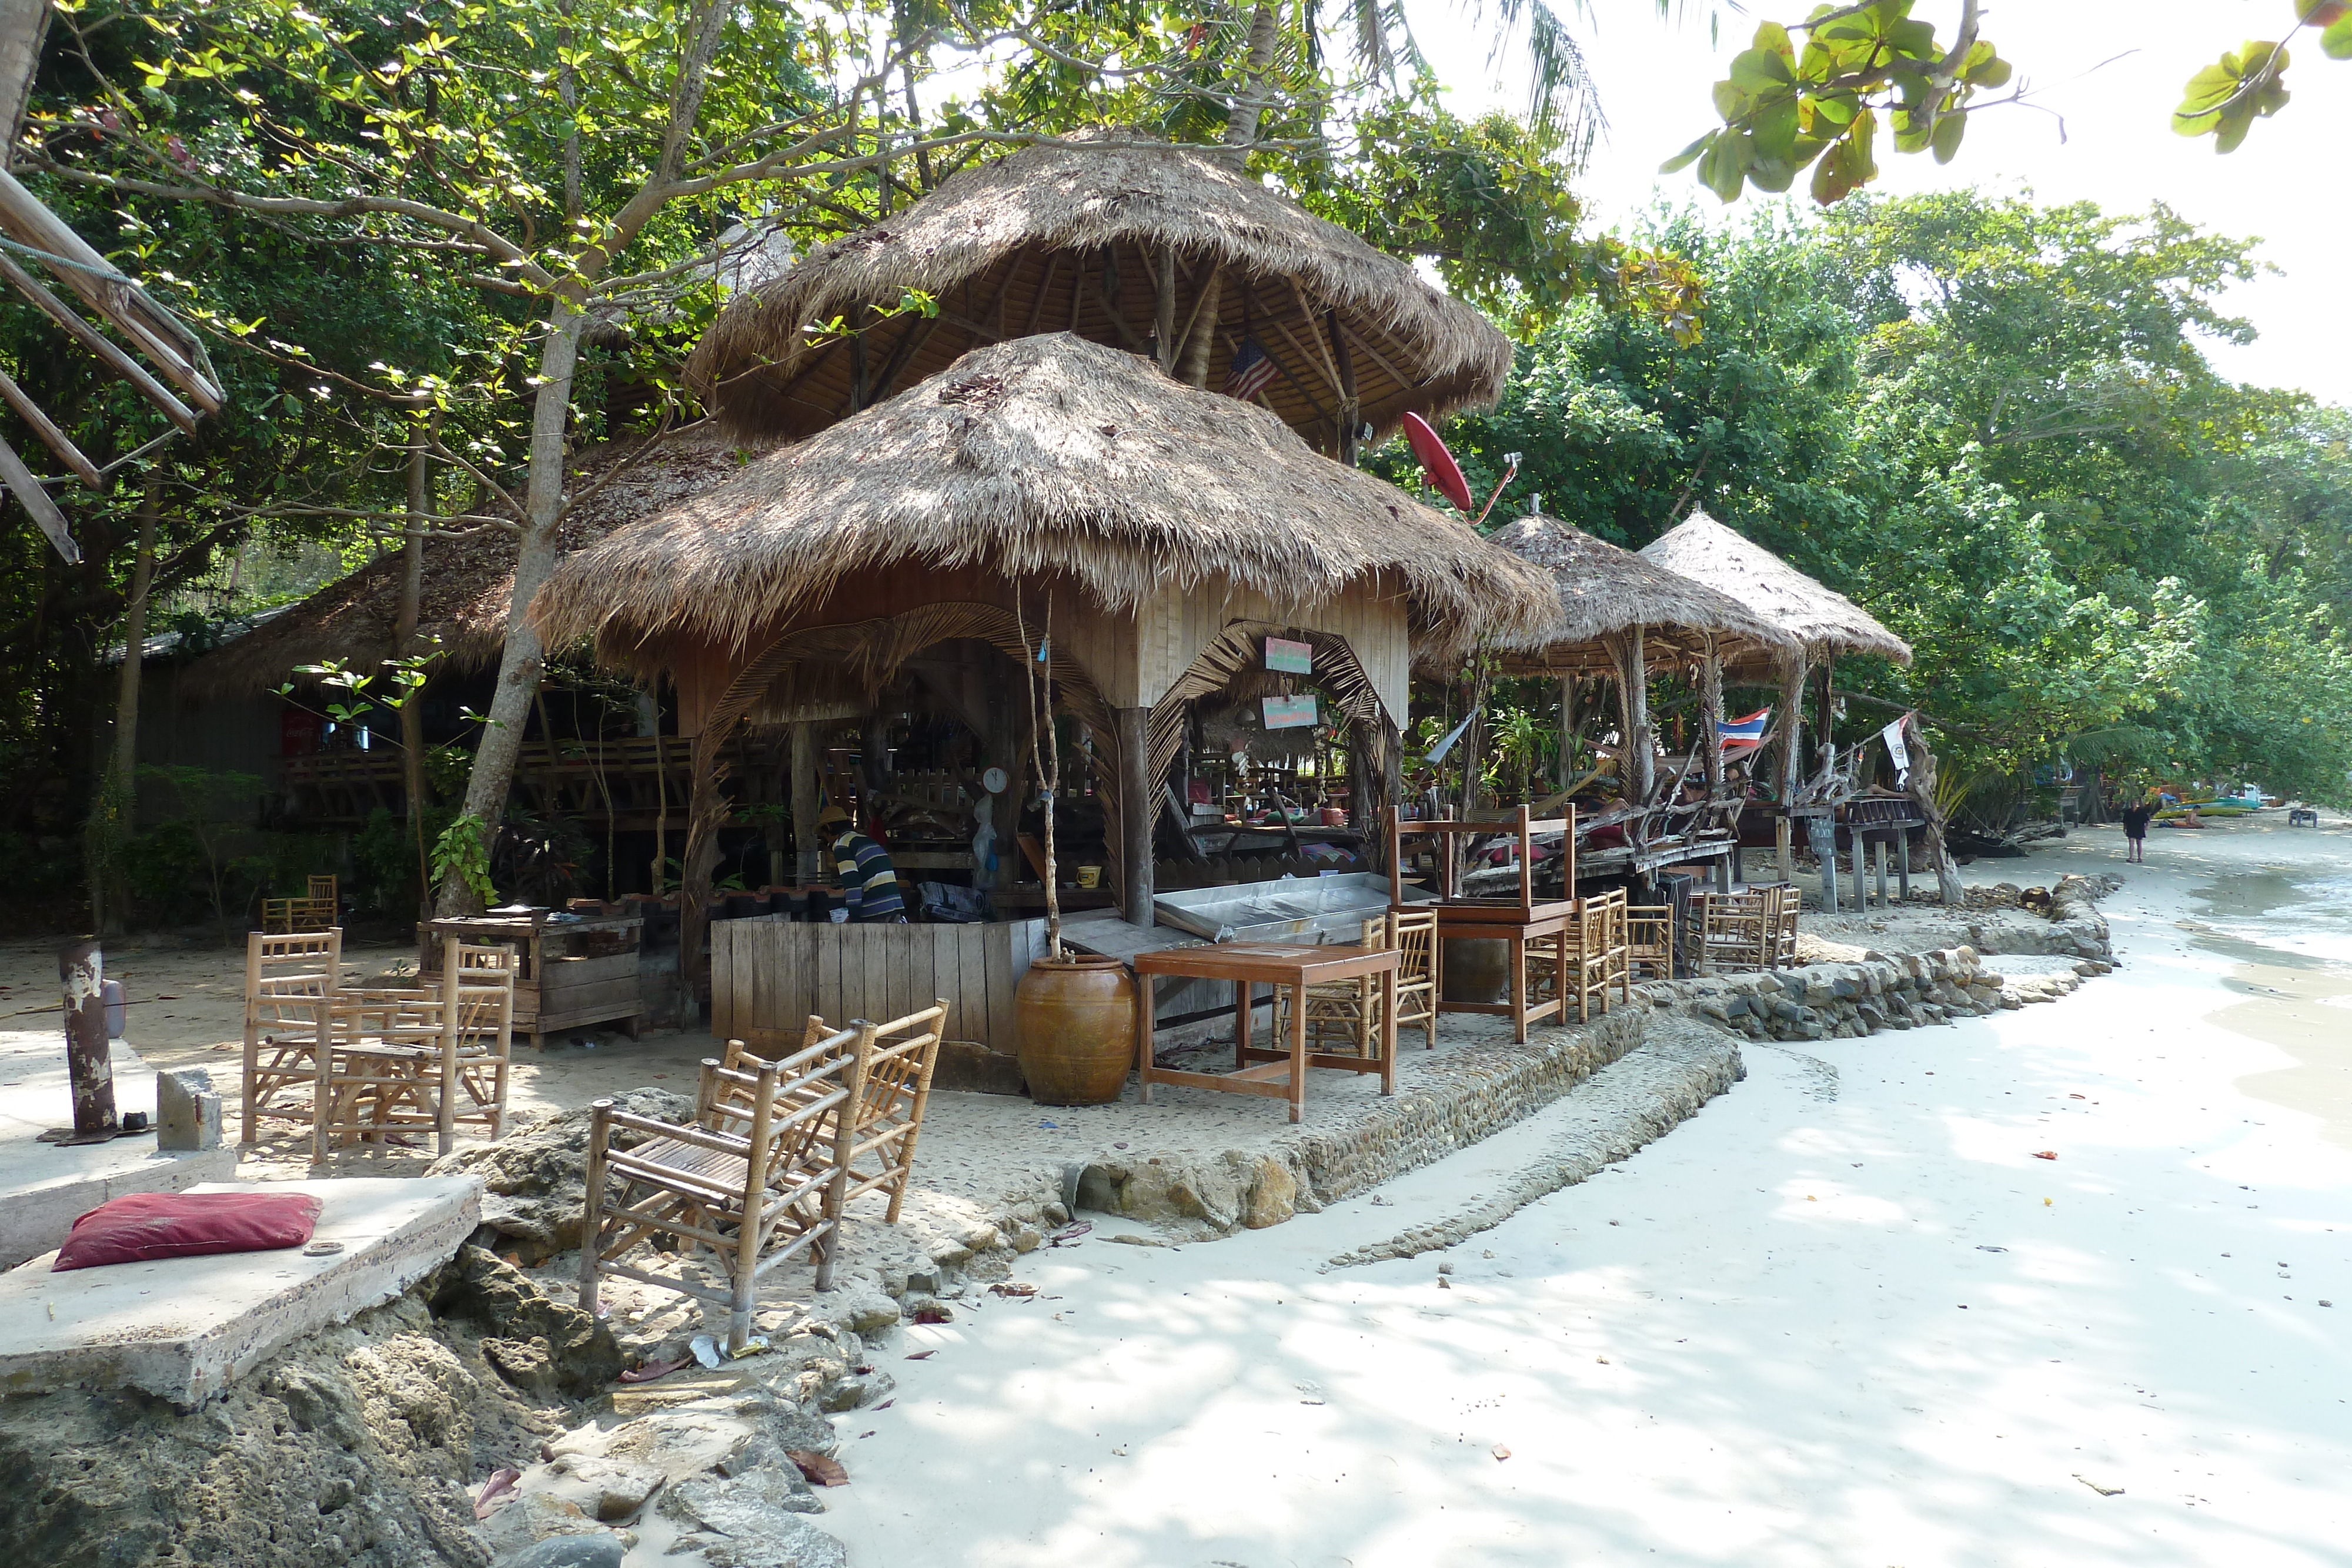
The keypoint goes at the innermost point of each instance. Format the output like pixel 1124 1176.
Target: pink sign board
pixel 1295 658
pixel 1288 713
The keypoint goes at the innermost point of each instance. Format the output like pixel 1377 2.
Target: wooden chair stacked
pixel 1738 930
pixel 776 1152
pixel 314 911
pixel 1586 958
pixel 289 981
pixel 400 1060
pixel 1788 901
pixel 1649 941
pixel 1521 921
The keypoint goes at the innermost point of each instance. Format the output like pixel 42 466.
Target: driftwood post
pixel 1791 725
pixel 89 1065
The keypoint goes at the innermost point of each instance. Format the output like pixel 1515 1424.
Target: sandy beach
pixel 1846 1314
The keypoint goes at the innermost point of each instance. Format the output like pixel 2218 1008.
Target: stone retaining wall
pixel 1466 1095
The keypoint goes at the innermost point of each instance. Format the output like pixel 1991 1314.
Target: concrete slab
pixel 185 1328
pixel 45 1188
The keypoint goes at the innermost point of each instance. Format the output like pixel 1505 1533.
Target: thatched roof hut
pixel 468 581
pixel 1824 621
pixel 1044 457
pixel 1074 236
pixel 1604 592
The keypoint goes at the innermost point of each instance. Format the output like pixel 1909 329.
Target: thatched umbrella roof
pixel 468 581
pixel 1605 591
pixel 1047 457
pixel 1067 237
pixel 1825 622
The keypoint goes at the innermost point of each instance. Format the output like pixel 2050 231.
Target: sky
pixel 2092 130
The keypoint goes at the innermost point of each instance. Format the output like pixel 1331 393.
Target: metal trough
pixel 1315 908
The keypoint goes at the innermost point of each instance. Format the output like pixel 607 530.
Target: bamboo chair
pixel 1581 957
pixel 289 981
pixel 763 1176
pixel 315 912
pixel 1650 940
pixel 1414 934
pixel 1789 901
pixel 410 1059
pixel 1736 930
pixel 1616 943
pixel 896 1090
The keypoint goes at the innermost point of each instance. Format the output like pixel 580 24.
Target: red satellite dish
pixel 1436 462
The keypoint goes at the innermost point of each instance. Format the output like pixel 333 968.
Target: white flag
pixel 1893 735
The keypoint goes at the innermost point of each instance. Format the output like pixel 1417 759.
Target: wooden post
pixel 1634 703
pixel 1878 867
pixel 1902 865
pixel 1710 714
pixel 1138 803
pixel 808 837
pixel 600 1136
pixel 1567 729
pixel 1784 846
pixel 1791 723
pixel 1861 856
pixel 89 1063
pixel 1349 420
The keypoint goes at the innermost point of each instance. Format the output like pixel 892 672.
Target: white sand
pixel 1811 1356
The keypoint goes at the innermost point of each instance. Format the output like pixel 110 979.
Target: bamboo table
pixel 1276 1073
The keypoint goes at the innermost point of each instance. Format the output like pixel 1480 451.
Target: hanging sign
pixel 1288 713
pixel 1900 753
pixel 1292 658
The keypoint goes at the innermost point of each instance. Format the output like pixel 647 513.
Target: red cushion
pixel 145 1226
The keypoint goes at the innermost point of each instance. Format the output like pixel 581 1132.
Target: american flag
pixel 1252 369
pixel 1743 734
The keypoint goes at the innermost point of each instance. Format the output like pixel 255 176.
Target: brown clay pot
pixel 1074 1021
pixel 1476 970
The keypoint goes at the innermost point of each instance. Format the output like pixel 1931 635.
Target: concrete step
pixel 44 1188
pixel 185 1328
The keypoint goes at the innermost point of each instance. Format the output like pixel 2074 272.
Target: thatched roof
pixel 1604 591
pixel 1066 238
pixel 1047 457
pixel 1825 620
pixel 468 581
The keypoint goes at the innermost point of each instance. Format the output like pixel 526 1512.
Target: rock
pixel 580 1356
pixel 861 1307
pixel 604 1487
pixel 528 1366
pixel 1027 1238
pixel 853 1391
pixel 1273 1196
pixel 793 1543
pixel 750 1504
pixel 600 1550
pixel 535 1179
pixel 534 1517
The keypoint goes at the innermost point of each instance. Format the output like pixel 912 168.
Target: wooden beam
pixel 175 349
pixel 43 426
pixel 29 490
pixel 1307 321
pixel 1045 287
pixel 98 343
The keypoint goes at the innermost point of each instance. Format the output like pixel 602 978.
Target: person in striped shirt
pixel 869 882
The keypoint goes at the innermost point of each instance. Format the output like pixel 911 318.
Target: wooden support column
pixel 1710 714
pixel 1791 722
pixel 1139 800
pixel 1633 709
pixel 1350 418
pixel 808 837
pixel 1567 729
pixel 1861 870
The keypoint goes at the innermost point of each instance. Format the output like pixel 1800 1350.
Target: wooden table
pixel 1515 924
pixel 575 972
pixel 1276 1073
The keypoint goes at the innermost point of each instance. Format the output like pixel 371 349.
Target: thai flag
pixel 1743 735
pixel 1252 369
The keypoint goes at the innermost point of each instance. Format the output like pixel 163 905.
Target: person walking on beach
pixel 2136 819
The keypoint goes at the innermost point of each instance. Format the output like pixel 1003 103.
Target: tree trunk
pixel 116 810
pixel 1710 718
pixel 403 644
pixel 524 659
pixel 1241 128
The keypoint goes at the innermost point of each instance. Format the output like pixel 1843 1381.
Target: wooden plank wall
pixel 771 973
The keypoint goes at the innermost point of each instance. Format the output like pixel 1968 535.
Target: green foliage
pixel 1786 108
pixel 462 850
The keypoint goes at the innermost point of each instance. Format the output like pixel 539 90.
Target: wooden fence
pixel 769 972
